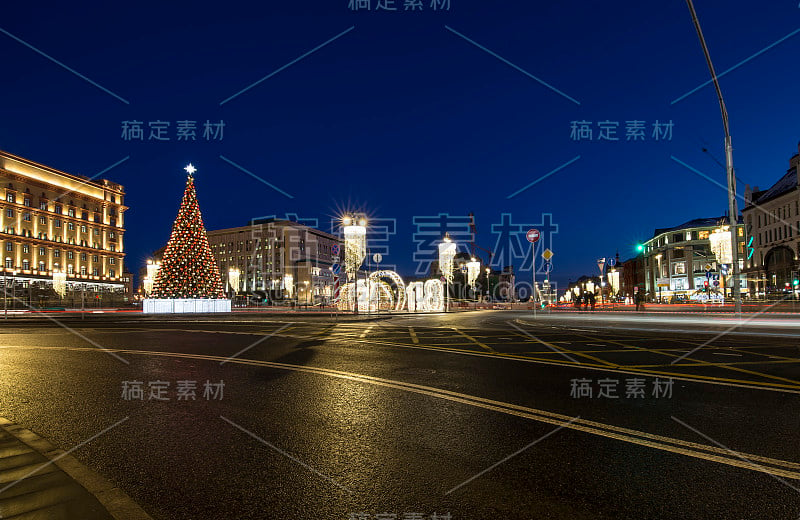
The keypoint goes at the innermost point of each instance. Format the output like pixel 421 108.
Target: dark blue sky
pixel 401 117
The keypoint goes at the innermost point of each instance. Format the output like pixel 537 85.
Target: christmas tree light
pixel 188 268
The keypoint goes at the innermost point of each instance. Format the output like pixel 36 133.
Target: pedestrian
pixel 591 298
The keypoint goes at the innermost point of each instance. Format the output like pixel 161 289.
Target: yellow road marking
pixel 622 369
pixel 482 345
pixel 364 334
pixel 413 334
pixel 698 362
pixel 565 350
pixel 710 453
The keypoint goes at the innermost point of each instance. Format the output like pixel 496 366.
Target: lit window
pixel 26 248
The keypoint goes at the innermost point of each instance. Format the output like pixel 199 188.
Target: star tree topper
pixel 190 169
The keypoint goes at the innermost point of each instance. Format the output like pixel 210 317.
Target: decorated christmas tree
pixel 188 268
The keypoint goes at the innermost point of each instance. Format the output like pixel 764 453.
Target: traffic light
pixel 795 282
pixel 639 247
pixel 705 284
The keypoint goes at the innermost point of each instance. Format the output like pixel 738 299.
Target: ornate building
pixel 57 225
pixel 773 224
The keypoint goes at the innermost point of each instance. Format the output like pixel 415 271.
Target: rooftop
pixel 695 223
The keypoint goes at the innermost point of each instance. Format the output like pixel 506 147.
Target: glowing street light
pixel 60 282
pixel 355 250
pixel 473 270
pixel 447 253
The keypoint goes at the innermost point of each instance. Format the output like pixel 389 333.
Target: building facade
pixel 772 218
pixel 60 225
pixel 678 261
pixel 276 259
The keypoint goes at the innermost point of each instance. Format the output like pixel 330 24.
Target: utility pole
pixel 733 212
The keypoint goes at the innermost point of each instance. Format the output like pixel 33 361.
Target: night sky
pixel 403 117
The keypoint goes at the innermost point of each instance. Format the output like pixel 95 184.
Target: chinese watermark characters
pixel 185 130
pixel 399 5
pixel 634 130
pixel 158 390
pixel 608 388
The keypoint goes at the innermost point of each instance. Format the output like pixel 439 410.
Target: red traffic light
pixel 705 284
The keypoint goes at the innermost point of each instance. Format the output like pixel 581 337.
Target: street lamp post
pixel 732 209
pixel 488 291
pixel 447 252
pixel 355 248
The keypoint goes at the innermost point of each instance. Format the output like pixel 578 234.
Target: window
pixel 71 226
pixel 95 258
pixel 26 265
pixel 95 272
pixel 70 255
pixel 26 201
pixel 41 266
pixel 26 248
pixel 10 197
pixel 703 235
pixel 57 223
pixel 112 273
pixel 83 270
pixel 10 213
pixel 113 247
pixel 96 231
pixel 57 253
pixel 9 246
pixel 42 220
pixel 112 261
pixel 42 251
pixel 83 228
pixel 26 217
pixel 59 209
pixel 9 264
pixel 83 257
pixel 71 212
pixel 70 269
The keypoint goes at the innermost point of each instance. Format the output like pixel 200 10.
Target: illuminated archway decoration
pixel 400 300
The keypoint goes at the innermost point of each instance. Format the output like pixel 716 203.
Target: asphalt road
pixel 473 414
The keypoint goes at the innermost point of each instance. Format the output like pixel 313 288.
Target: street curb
pixel 117 502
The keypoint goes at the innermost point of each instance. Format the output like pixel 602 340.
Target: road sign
pixel 336 268
pixel 464 269
pixel 601 264
pixel 548 267
pixel 547 254
pixel 335 249
pixel 612 262
pixel 709 267
pixel 716 283
pixel 377 257
pixel 443 279
pixel 532 235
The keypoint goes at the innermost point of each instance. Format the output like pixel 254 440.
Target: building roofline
pixel 100 183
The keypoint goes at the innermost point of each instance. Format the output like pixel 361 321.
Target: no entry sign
pixel 532 235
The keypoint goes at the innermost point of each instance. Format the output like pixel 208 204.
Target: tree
pixel 188 268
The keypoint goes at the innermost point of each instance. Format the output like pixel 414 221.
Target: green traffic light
pixel 640 247
pixel 796 282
